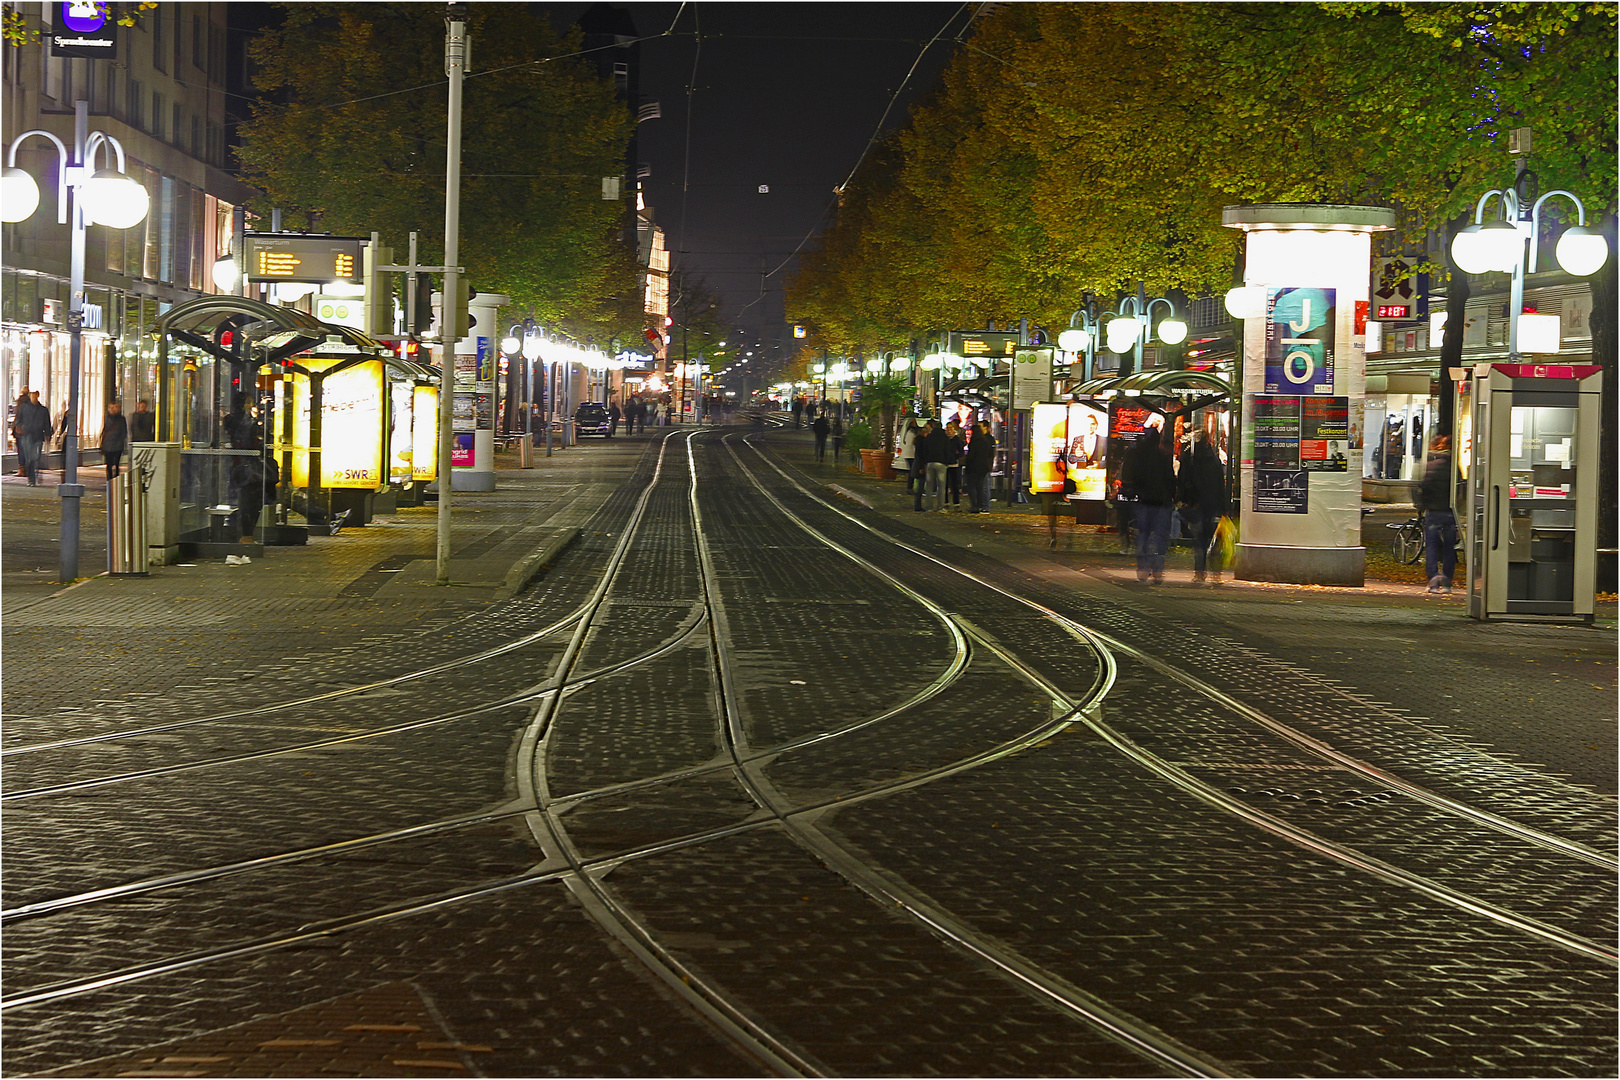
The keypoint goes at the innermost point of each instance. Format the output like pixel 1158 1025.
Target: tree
pixel 352 129
pixel 883 396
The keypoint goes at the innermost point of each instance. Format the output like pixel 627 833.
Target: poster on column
pixel 1280 491
pixel 1324 434
pixel 1276 431
pixel 1299 340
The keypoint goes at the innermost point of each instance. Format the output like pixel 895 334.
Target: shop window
pixel 159 114
pixel 149 260
pixel 113 244
pixel 160 43
pixel 166 224
pixel 134 100
pixel 199 43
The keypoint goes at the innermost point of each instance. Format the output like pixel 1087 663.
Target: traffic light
pixel 422 316
pixel 458 321
pixel 379 302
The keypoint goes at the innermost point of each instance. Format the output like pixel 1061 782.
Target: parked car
pixel 591 418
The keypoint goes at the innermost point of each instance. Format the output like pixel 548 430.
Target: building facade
pixel 162 96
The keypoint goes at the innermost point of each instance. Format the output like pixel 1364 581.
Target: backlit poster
pixel 425 433
pixel 1276 431
pixel 1088 451
pixel 1048 441
pixel 1299 340
pixel 399 432
pixel 352 427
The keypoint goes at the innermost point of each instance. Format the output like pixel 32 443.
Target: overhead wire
pixel 876 133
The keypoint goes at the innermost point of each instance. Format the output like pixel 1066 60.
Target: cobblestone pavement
pixel 827 810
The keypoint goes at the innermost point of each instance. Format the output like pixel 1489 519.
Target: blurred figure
pixel 613 418
pixel 114 438
pixel 906 447
pixel 932 457
pixel 1053 501
pixel 837 432
pixel 822 429
pixel 953 462
pixel 981 458
pixel 31 427
pixel 1201 487
pixel 1151 479
pixel 142 423
pixel 1439 520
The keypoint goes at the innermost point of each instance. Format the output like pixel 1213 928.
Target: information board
pixel 299 257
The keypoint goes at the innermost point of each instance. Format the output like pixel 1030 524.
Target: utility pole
pixel 455 66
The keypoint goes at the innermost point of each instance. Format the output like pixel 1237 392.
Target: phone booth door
pixel 1532 491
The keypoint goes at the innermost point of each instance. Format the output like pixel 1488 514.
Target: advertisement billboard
pixel 352 427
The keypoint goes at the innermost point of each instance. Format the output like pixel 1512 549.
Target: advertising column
pixel 472 451
pixel 1307 278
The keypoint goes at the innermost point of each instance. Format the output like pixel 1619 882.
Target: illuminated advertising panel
pixel 1048 439
pixel 1088 451
pixel 425 433
pixel 352 427
pixel 400 450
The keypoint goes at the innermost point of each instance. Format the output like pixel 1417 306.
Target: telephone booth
pixel 1531 448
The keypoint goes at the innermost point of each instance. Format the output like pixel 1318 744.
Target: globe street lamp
pixel 104 196
pixel 1498 245
pixel 1132 326
pixel 1082 340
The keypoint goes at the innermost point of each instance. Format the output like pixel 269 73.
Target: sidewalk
pixel 335 596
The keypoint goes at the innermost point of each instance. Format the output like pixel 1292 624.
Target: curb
pixel 535 562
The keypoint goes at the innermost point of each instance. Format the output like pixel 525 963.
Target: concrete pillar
pixel 1304 306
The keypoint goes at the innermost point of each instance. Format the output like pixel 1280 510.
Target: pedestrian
pixel 613 418
pixel 669 414
pixel 142 423
pixel 809 409
pixel 1053 501
pixel 114 438
pixel 247 473
pixel 953 462
pixel 798 410
pixel 1201 487
pixel 1150 479
pixel 907 450
pixel 980 458
pixel 822 429
pixel 837 431
pixel 19 416
pixel 32 427
pixel 933 454
pixel 1439 519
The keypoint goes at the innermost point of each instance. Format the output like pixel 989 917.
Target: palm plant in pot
pixel 881 400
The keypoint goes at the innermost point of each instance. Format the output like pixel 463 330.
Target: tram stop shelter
pixel 335 413
pixel 1176 402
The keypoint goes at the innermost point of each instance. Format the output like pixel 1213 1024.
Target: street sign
pixel 304 258
pixel 84 29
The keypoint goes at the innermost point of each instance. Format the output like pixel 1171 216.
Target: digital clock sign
pixel 1394 311
pixel 303 258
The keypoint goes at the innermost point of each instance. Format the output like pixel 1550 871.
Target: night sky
pixel 787 95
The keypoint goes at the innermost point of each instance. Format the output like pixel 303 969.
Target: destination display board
pixel 298 257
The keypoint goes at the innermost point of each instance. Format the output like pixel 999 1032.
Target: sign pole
pixel 455 60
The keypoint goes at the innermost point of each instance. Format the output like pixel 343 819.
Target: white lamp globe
pixel 818 368
pixel 112 199
pixel 510 345
pixel 1172 331
pixel 1582 251
pixel 225 274
pixel 1122 334
pixel 1501 244
pixel 532 346
pixel 874 366
pixel 1246 302
pixel 1074 341
pixel 899 363
pixel 931 362
pixel 1467 253
pixel 19 196
pixel 289 292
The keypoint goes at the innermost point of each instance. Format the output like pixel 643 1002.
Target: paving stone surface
pixel 410 914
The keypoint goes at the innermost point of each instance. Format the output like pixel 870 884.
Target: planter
pixel 877 463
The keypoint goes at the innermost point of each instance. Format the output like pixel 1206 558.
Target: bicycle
pixel 1407 543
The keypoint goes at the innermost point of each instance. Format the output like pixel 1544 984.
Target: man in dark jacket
pixel 976 466
pixel 1439 520
pixel 1201 485
pixel 114 438
pixel 933 452
pixel 822 428
pixel 32 426
pixel 1150 478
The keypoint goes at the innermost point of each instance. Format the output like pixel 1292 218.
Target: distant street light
pixel 1132 326
pixel 1498 246
pixel 105 196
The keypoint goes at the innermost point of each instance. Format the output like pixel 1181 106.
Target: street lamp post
pixel 1082 339
pixel 1499 245
pixel 84 197
pixel 1132 326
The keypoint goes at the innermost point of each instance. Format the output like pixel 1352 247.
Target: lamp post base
pixel 1342 566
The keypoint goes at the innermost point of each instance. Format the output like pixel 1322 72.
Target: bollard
pixel 525 451
pixel 126 524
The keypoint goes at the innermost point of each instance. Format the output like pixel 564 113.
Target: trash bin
pixel 126 523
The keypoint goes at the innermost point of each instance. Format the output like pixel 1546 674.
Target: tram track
pixel 587 875
pixel 1583 945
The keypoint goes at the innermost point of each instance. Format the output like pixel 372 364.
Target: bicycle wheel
pixel 1413 539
